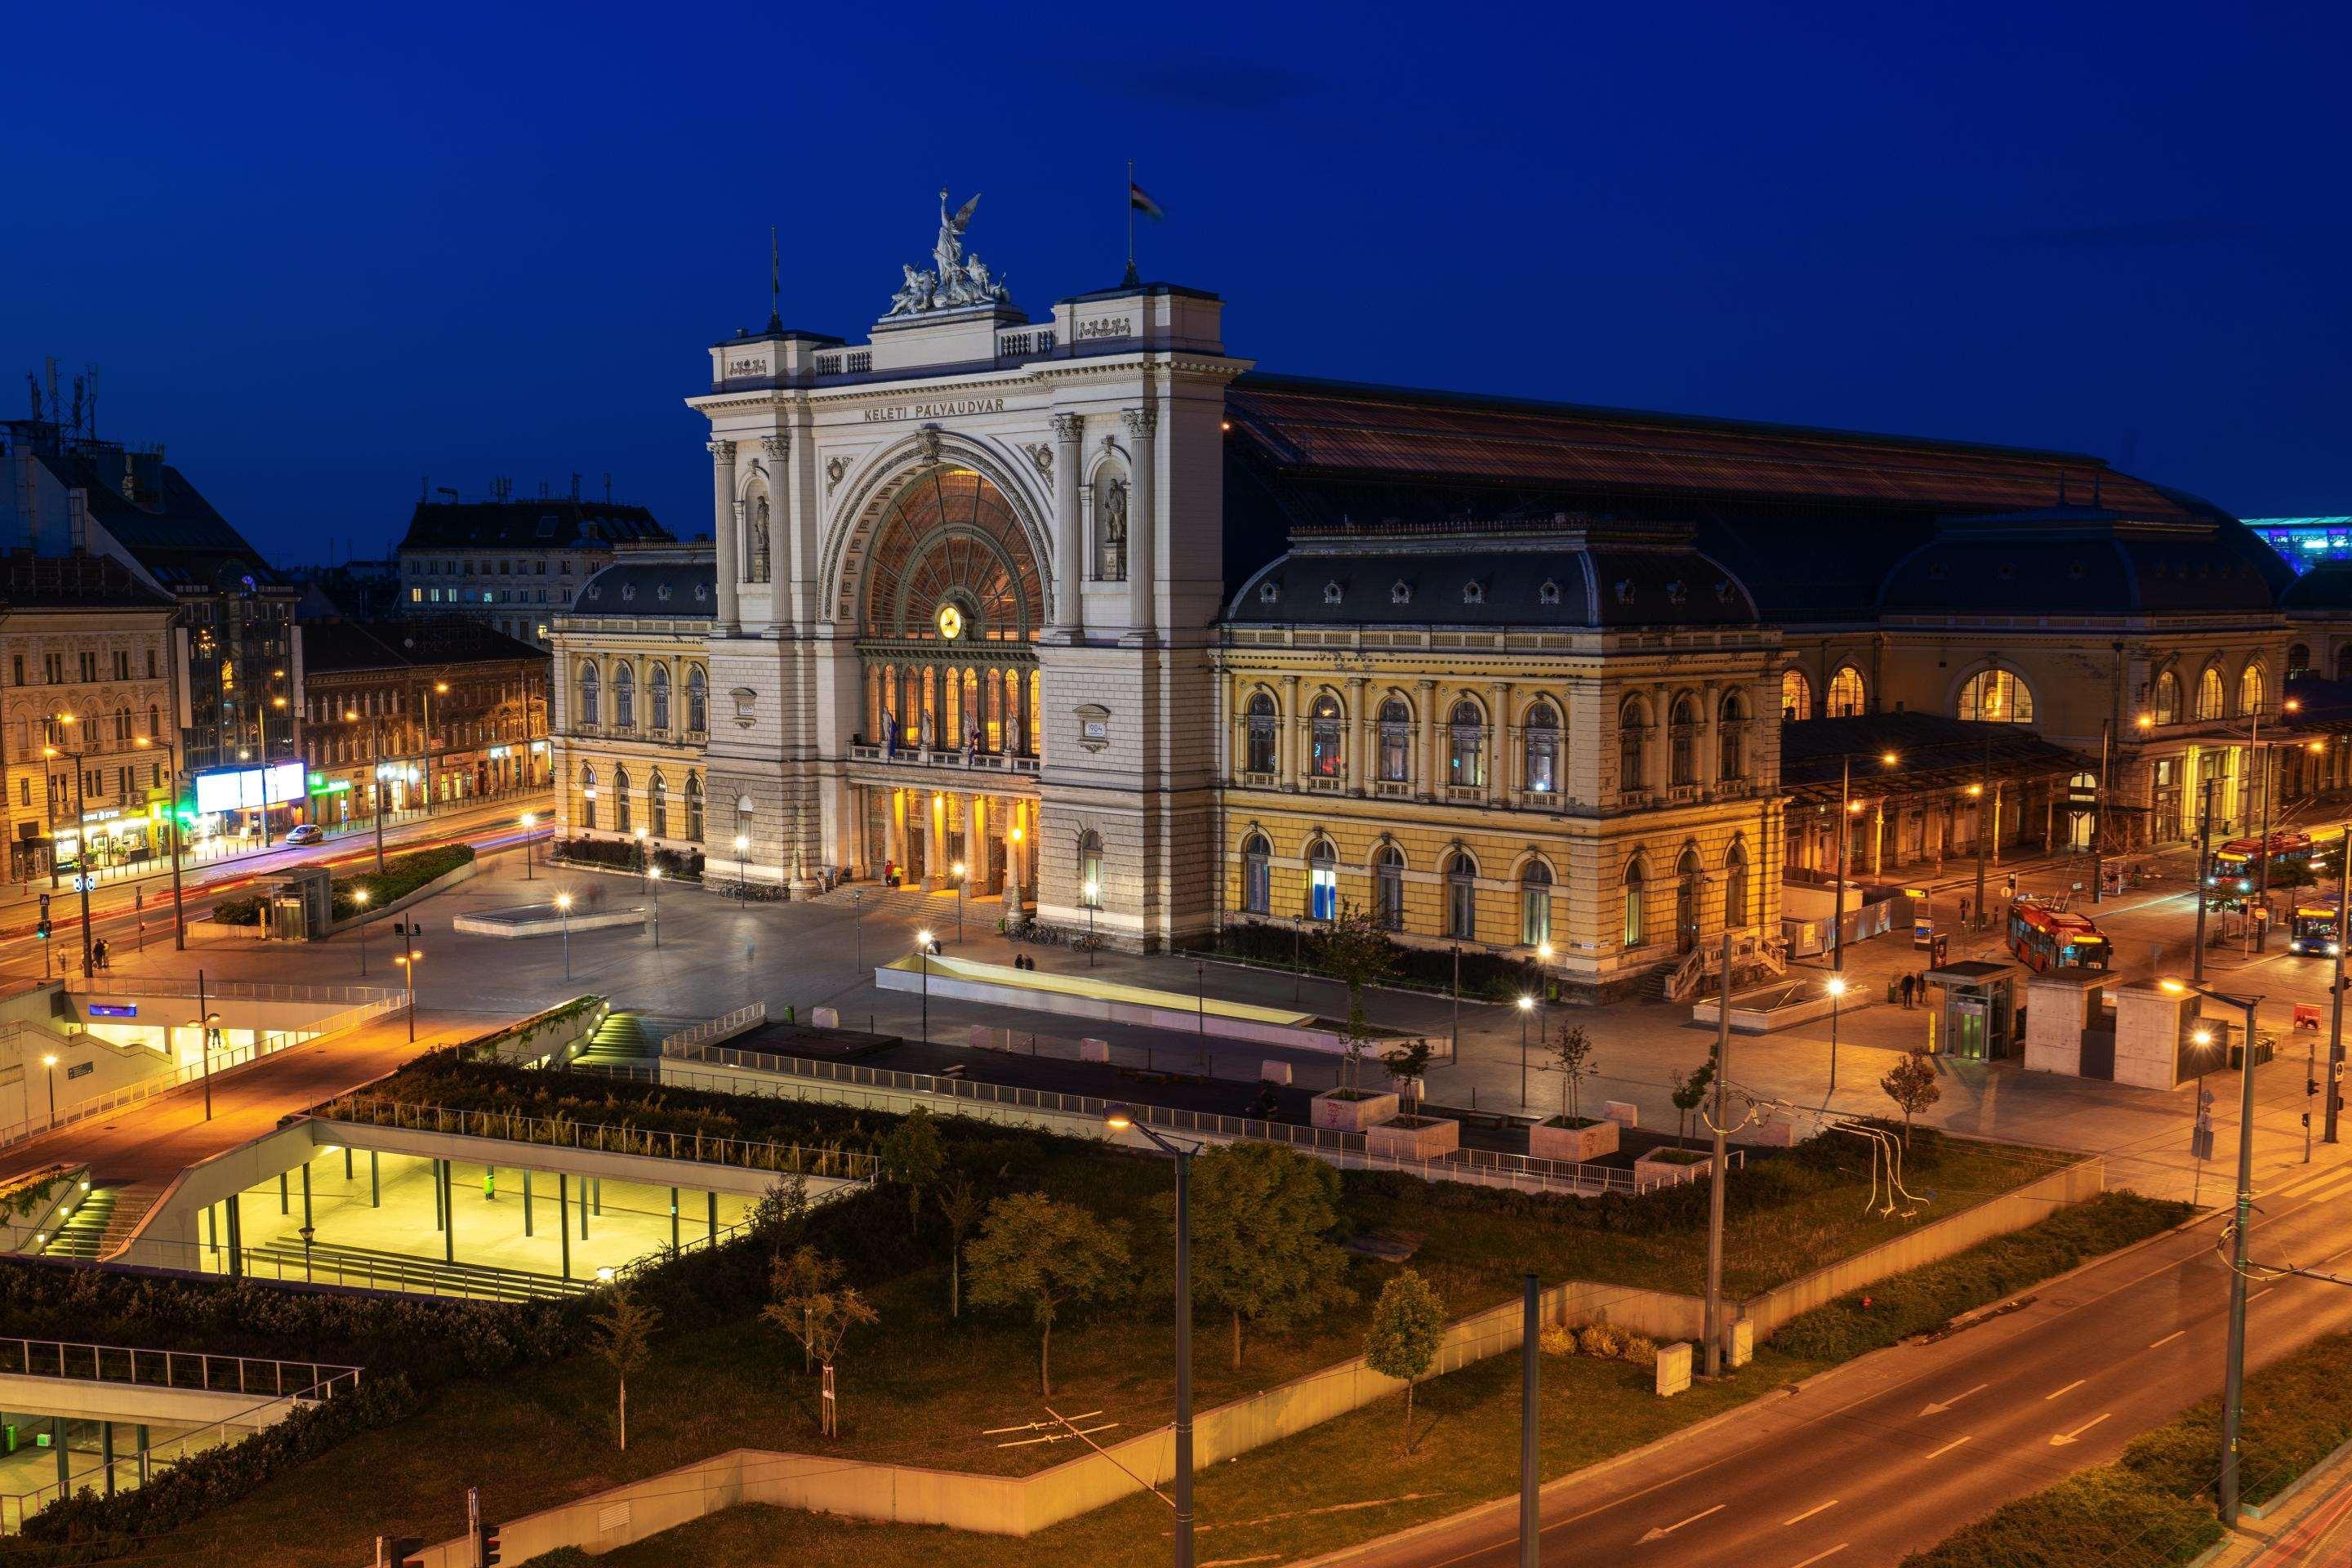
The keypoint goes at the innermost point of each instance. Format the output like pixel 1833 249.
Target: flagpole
pixel 1130 218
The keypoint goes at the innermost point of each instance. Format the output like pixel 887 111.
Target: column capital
pixel 778 446
pixel 720 452
pixel 1069 429
pixel 1140 422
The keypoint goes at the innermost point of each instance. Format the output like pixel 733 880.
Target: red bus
pixel 2047 939
pixel 2237 866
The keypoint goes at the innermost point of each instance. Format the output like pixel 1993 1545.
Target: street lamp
pixel 207 1027
pixel 644 857
pixel 564 908
pixel 443 688
pixel 530 821
pixel 858 926
pixel 743 848
pixel 653 881
pixel 1848 809
pixel 2234 1366
pixel 1092 893
pixel 958 871
pixel 1835 987
pixel 379 785
pixel 408 959
pixel 923 956
pixel 49 1065
pixel 360 897
pixel 1118 1119
pixel 1526 1005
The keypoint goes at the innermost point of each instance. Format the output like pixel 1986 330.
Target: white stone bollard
pixel 1673 1368
pixel 1740 1347
pixel 825 1017
pixel 1093 1050
pixel 1274 1072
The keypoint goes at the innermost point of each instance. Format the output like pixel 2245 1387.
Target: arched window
pixel 1261 725
pixel 588 795
pixel 2344 662
pixel 1388 887
pixel 1534 905
pixel 1637 910
pixel 155 720
pixel 1465 763
pixel 698 700
pixel 1540 744
pixel 657 805
pixel 620 798
pixel 1322 880
pixel 1845 692
pixel 1630 734
pixel 1731 743
pixel 1795 696
pixel 1462 896
pixel 1396 741
pixel 1091 868
pixel 1257 875
pixel 2209 694
pixel 588 694
pixel 1996 697
pixel 1686 888
pixel 2167 702
pixel 2298 660
pixel 694 807
pixel 658 697
pixel 1111 526
pixel 1681 740
pixel 2249 691
pixel 1326 752
pixel 1734 886
pixel 755 555
pixel 625 697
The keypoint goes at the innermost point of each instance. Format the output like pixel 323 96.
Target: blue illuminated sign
pixel 114 1009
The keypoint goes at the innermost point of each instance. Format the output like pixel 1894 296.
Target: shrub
pixel 1484 974
pixel 677 864
pixel 1641 1350
pixel 402 875
pixel 2104 1515
pixel 1557 1339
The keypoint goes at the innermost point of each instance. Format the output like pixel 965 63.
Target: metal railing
pixel 712 1030
pixel 227 990
pixel 560 1133
pixel 351 1269
pixel 256 1375
pixel 945 757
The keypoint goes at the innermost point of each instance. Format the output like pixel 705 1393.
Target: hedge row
pixel 402 875
pixel 678 865
pixel 1484 975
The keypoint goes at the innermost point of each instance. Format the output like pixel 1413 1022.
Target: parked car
pixel 305 833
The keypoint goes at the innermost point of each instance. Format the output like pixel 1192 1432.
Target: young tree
pixel 1689 1093
pixel 1408 1323
pixel 911 1156
pixel 1408 1064
pixel 1358 954
pixel 1570 1051
pixel 1046 1256
pixel 1261 1215
pixel 807 1299
pixel 622 1335
pixel 782 1213
pixel 1912 1086
pixel 960 1204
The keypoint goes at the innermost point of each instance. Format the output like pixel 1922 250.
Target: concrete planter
pixel 1669 1167
pixel 1555 1139
pixel 1414 1138
pixel 1352 1110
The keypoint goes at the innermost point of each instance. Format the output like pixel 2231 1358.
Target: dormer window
pixel 1332 593
pixel 1624 588
pixel 662 592
pixel 628 592
pixel 1400 592
pixel 702 592
pixel 1269 593
pixel 1473 592
pixel 1675 593
pixel 1548 593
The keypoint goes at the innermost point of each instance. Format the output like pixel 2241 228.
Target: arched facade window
pixel 1686 891
pixel 1466 760
pixel 1996 697
pixel 657 697
pixel 1637 909
pixel 588 795
pixel 1325 744
pixel 1462 896
pixel 1396 741
pixel 1795 696
pixel 1110 525
pixel 2298 660
pixel 2165 706
pixel 657 805
pixel 1731 743
pixel 694 807
pixel 625 697
pixel 698 700
pixel 2344 662
pixel 591 695
pixel 2249 691
pixel 1540 746
pixel 1388 887
pixel 1261 726
pixel 1734 886
pixel 1257 875
pixel 1322 880
pixel 1091 868
pixel 621 798
pixel 1846 697
pixel 1631 735
pixel 1682 743
pixel 1534 905
pixel 2209 697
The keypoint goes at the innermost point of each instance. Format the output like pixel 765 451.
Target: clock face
pixel 951 622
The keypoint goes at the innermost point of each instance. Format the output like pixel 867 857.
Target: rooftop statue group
pixel 953 280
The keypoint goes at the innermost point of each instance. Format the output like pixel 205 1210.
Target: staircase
pixel 370 1268
pixel 131 1202
pixel 83 1233
pixel 622 1042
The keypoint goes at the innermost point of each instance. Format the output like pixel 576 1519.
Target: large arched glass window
pixel 1996 697
pixel 657 805
pixel 1388 887
pixel 590 695
pixel 1682 737
pixel 2167 702
pixel 1734 886
pixel 1795 696
pixel 2209 694
pixel 2249 691
pixel 1466 762
pixel 1260 725
pixel 1542 746
pixel 1846 694
pixel 1534 905
pixel 588 795
pixel 1322 880
pixel 657 697
pixel 1731 743
pixel 1462 896
pixel 694 807
pixel 1631 734
pixel 1396 741
pixel 625 697
pixel 1257 875
pixel 620 798
pixel 698 700
pixel 1326 745
pixel 2298 661
pixel 1637 908
pixel 1091 868
pixel 1686 889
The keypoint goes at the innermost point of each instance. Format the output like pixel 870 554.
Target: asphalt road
pixel 1891 1455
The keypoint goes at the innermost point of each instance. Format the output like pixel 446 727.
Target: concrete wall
pixel 84 1399
pixel 963 981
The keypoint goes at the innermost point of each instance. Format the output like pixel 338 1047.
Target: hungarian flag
pixel 1142 203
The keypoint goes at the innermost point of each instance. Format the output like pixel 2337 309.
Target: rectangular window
pixel 151 663
pixel 17 669
pixel 122 664
pixel 417 596
pixel 53 669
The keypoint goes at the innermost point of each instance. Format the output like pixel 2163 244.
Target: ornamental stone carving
pixel 1140 422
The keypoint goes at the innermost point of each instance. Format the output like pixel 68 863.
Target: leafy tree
pixel 780 1214
pixel 960 1205
pixel 807 1299
pixel 1357 953
pixel 1261 1215
pixel 1912 1086
pixel 1046 1256
pixel 622 1335
pixel 1408 1324
pixel 911 1156
pixel 1689 1093
pixel 1571 1053
pixel 1408 1064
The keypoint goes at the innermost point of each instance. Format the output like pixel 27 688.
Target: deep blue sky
pixel 321 255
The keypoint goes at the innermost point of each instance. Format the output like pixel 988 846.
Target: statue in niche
pixel 757 553
pixel 1110 556
pixel 1012 723
pixel 971 734
pixel 923 731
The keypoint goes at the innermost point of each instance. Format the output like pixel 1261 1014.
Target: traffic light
pixel 41 928
pixel 399 1551
pixel 486 1554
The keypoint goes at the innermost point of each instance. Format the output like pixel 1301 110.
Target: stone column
pixel 894 828
pixel 722 528
pixel 1069 546
pixel 1709 764
pixel 1359 755
pixel 1433 770
pixel 779 450
pixel 1012 836
pixel 1293 732
pixel 935 860
pixel 1142 516
pixel 1498 710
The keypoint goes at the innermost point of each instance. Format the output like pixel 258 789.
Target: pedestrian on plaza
pixel 1905 988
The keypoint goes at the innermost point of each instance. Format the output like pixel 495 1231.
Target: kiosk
pixel 1972 1008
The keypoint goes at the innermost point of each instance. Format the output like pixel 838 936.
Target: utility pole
pixel 1714 1359
pixel 2261 935
pixel 1984 798
pixel 1530 1464
pixel 2099 824
pixel 2204 859
pixel 81 859
pixel 1845 832
pixel 2335 990
pixel 2233 1393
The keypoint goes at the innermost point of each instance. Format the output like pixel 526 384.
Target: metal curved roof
pixel 668 590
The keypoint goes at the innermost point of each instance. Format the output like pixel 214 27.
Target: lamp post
pixel 375 769
pixel 653 882
pixel 958 871
pixel 2336 986
pixel 644 857
pixel 564 908
pixel 207 1026
pixel 1526 1005
pixel 407 959
pixel 1980 791
pixel 923 957
pixel 443 688
pixel 2233 1374
pixel 360 897
pixel 261 723
pixel 1835 987
pixel 1092 892
pixel 179 912
pixel 742 849
pixel 1118 1119
pixel 858 927
pixel 49 1066
pixel 1848 808
pixel 530 821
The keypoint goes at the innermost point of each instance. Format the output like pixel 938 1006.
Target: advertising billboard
pixel 240 789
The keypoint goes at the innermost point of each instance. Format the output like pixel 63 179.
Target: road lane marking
pixel 1659 1533
pixel 1940 1406
pixel 1823 1556
pixel 1947 1447
pixel 2062 1438
pixel 2260 1294
pixel 2068 1389
pixel 2167 1339
pixel 1817 1508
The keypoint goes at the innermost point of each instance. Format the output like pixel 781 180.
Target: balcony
pixel 1019 342
pixel 1681 794
pixel 1392 789
pixel 1541 799
pixel 1259 781
pixel 1317 784
pixel 915 757
pixel 1465 794
pixel 845 362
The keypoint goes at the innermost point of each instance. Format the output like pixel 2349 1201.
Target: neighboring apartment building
pixel 512 565
pixel 403 712
pixel 86 652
